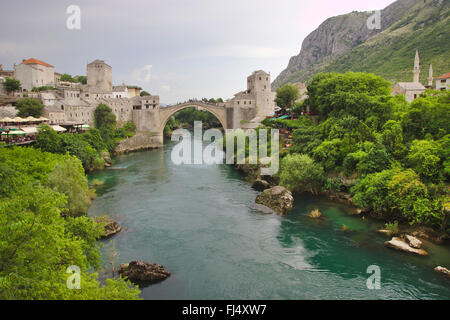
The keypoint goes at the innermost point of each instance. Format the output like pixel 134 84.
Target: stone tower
pixel 430 76
pixel 99 76
pixel 258 85
pixel 416 70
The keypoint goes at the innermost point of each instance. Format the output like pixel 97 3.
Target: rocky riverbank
pixel 277 199
pixel 140 141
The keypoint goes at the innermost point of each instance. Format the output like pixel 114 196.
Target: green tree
pixel 29 107
pixel 331 154
pixel 104 118
pixel 392 139
pixel 144 93
pixel 48 140
pixel 37 243
pixel 286 96
pixel 105 121
pixel 11 85
pixel 409 196
pixel 81 79
pixel 372 192
pixel 358 94
pixel 423 157
pixel 77 146
pixel 69 179
pixel 300 173
pixel 67 77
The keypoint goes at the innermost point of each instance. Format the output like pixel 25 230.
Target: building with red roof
pixel 34 73
pixel 443 82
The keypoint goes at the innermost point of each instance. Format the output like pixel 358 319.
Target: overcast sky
pixel 176 49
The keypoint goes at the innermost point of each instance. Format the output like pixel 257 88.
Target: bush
pixel 300 173
pixel 29 107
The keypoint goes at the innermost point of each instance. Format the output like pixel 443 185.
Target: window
pixel 442 81
pixel 245 102
pixel 62 107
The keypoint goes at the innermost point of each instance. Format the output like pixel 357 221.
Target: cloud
pixel 143 74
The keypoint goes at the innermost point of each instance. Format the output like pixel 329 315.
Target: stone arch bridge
pixel 150 123
pixel 217 109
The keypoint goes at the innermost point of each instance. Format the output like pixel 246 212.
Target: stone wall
pixel 141 141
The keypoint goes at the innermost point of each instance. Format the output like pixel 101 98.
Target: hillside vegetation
pixel 407 26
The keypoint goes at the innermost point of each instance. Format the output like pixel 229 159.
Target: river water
pixel 198 221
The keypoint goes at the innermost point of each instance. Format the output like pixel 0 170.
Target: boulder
pixel 413 241
pixel 399 244
pixel 111 226
pixel 143 272
pixel 315 214
pixel 263 208
pixel 107 158
pixel 443 271
pixel 277 198
pixel 260 185
pixel 385 232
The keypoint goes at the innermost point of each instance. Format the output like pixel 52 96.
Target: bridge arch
pixel 218 110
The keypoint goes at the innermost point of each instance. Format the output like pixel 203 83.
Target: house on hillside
pixel 443 82
pixel 411 90
pixel 34 73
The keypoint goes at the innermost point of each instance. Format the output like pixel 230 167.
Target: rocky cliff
pixel 345 43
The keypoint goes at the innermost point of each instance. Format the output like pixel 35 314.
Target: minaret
pixel 430 77
pixel 416 70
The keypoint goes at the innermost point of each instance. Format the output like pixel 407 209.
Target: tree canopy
pixel 29 107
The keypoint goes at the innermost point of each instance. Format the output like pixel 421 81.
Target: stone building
pixel 73 103
pixel 145 102
pixel 411 90
pixel 248 108
pixel 133 91
pixel 34 73
pixel 99 76
pixel 6 73
pixel 2 86
pixel 443 82
pixel 120 92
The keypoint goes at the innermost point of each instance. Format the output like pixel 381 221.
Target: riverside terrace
pixel 20 131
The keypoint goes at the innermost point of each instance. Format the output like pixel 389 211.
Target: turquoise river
pixel 198 221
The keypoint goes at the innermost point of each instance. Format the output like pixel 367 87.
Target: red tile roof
pixel 36 61
pixel 445 76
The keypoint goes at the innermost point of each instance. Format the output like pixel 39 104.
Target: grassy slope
pixel 390 54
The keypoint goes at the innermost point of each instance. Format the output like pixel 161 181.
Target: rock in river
pixel 413 241
pixel 443 271
pixel 143 272
pixel 315 214
pixel 401 245
pixel 277 198
pixel 111 227
pixel 262 208
pixel 260 185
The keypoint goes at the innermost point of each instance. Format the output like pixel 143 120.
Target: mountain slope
pixel 344 43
